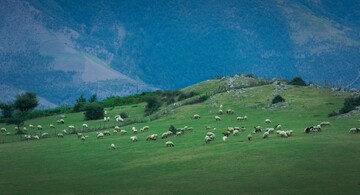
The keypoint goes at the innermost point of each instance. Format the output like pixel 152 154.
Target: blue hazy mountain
pixel 61 49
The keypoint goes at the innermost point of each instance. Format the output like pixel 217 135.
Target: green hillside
pixel 317 163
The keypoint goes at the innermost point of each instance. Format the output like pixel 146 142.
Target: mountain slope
pixel 143 45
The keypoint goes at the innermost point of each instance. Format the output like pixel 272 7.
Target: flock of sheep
pixel 209 137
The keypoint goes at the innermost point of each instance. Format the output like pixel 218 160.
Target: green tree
pixel 277 99
pixel 93 98
pixel 23 105
pixel 153 104
pixel 80 104
pixel 7 110
pixel 297 81
pixel 94 111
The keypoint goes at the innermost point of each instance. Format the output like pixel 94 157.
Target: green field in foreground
pixel 321 163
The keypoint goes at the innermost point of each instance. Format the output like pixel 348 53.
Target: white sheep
pixel 196 116
pixel 134 138
pixel 224 138
pixel 268 121
pixel 119 119
pixel 134 130
pixel 289 132
pixel 24 129
pixel 105 112
pixel 117 128
pixel 113 146
pixel 277 127
pixel 229 111
pixel 83 138
pixel 45 134
pixel 220 112
pixel 325 123
pixel 354 130
pixel 207 139
pixel 269 130
pixel 60 121
pixel 39 127
pixel 152 137
pixel 266 135
pixel 115 131
pixel 60 135
pixel 211 135
pixel 31 126
pixel 217 118
pixel 52 126
pixel 282 133
pixel 123 132
pixel 36 137
pixel 99 135
pixel 236 132
pixel 249 137
pixel 106 132
pixel 169 144
pixel 164 135
pixel 85 126
pixel 64 131
pixel 3 129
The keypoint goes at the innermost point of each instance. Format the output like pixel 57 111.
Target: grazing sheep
pixel 31 126
pixel 134 138
pixel 308 129
pixel 78 135
pixel 257 129
pixel 85 126
pixel 3 129
pixel 243 129
pixel 220 112
pixel 164 135
pixel 217 118
pixel 99 135
pixel 119 119
pixel 169 144
pixel 113 146
pixel 60 121
pixel 123 132
pixel 224 138
pixel 236 132
pixel 134 130
pixel 289 132
pixel 44 135
pixel 325 123
pixel 354 130
pixel 269 130
pixel 39 127
pixel 36 137
pixel 178 133
pixel 60 135
pixel 277 127
pixel 52 126
pixel 196 116
pixel 64 131
pixel 231 129
pixel 226 133
pixel 207 139
pixel 268 121
pixel 115 131
pixel 230 111
pixel 265 135
pixel 8 133
pixel 211 135
pixel 105 112
pixel 316 128
pixel 83 138
pixel 152 137
pixel 207 127
pixel 24 129
pixel 240 118
pixel 117 128
pixel 27 137
pixel 249 136
pixel 282 133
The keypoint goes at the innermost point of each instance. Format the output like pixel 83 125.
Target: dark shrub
pixel 297 81
pixel 277 99
pixel 94 111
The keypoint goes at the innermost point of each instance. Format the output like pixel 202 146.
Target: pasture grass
pixel 321 163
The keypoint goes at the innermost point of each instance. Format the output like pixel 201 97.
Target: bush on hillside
pixel 277 99
pixel 350 104
pixel 152 105
pixel 297 81
pixel 94 111
pixel 196 100
pixel 124 115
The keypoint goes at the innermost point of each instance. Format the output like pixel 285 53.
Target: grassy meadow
pixel 326 162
